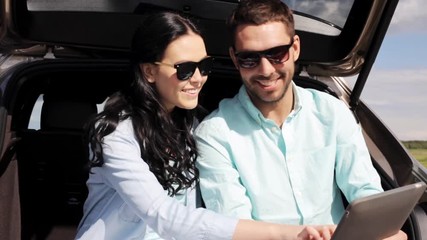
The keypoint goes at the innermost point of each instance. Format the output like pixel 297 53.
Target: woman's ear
pixel 148 70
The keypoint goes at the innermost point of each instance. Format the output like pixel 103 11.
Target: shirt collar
pixel 254 112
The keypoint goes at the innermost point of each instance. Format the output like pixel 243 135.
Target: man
pixel 277 152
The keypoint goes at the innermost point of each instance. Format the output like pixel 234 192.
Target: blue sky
pixel 396 89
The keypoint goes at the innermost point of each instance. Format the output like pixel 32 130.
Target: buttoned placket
pixel 291 164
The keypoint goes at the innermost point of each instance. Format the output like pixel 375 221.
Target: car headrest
pixel 63 114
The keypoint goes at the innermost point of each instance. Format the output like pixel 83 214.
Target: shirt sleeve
pixel 355 174
pixel 220 182
pixel 126 172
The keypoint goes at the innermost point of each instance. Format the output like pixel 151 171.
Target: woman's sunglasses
pixel 276 55
pixel 185 70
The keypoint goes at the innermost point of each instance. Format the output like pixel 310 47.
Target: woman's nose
pixel 197 76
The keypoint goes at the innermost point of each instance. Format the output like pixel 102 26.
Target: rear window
pixel 37 109
pixel 326 17
pixel 333 12
pixel 82 5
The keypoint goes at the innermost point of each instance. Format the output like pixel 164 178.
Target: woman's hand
pixel 398 236
pixel 317 232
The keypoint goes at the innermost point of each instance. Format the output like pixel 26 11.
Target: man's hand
pixel 317 232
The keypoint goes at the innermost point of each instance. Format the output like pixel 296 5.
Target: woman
pixel 143 154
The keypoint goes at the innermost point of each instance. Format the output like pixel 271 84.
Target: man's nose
pixel 266 67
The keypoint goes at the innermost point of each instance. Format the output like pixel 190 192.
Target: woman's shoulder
pixel 123 130
pixel 125 125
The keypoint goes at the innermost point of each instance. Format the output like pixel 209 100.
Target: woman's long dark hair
pixel 167 145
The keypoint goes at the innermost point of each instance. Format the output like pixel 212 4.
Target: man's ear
pixel 148 70
pixel 296 47
pixel 233 57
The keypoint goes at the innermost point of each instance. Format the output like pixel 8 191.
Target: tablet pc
pixel 380 215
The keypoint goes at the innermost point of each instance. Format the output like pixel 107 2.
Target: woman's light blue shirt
pixel 252 168
pixel 127 202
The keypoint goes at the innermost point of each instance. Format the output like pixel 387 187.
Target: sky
pixel 396 89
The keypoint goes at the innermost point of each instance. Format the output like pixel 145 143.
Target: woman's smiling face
pixel 172 91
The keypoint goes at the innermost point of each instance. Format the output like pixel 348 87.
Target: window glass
pixel 83 5
pixel 37 109
pixel 334 12
pixel 36 113
pixel 326 17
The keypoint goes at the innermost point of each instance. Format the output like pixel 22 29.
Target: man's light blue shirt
pixel 252 168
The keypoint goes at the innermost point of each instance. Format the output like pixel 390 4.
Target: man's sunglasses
pixel 276 55
pixel 185 70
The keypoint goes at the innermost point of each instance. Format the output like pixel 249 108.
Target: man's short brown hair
pixel 257 12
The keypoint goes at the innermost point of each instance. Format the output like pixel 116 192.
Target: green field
pixel 420 155
pixel 418 149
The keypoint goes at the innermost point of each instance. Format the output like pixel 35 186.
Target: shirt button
pixel 298 193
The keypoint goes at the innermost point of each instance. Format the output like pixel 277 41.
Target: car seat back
pixel 52 165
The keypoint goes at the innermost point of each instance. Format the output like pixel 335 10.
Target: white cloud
pixel 410 15
pixel 397 88
pixel 399 98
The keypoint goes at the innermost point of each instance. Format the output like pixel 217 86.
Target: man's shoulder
pixel 318 98
pixel 226 109
pixel 326 106
pixel 219 118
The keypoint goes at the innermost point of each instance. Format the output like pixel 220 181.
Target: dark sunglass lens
pixel 248 59
pixel 185 70
pixel 278 54
pixel 205 66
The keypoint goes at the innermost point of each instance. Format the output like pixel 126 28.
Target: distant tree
pixel 415 144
